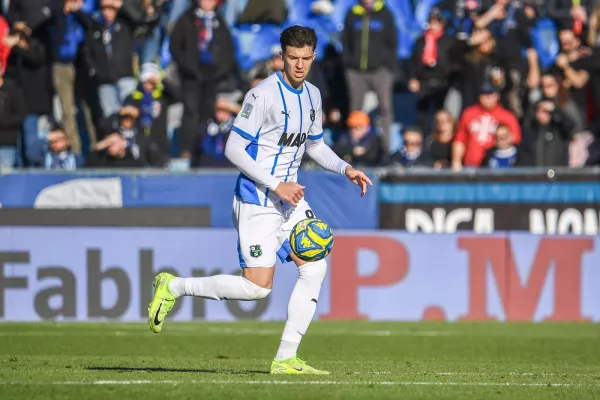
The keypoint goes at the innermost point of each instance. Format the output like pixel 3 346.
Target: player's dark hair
pixel 298 36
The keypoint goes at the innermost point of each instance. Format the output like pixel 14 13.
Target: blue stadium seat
pixel 89 6
pixel 253 43
pixel 408 28
pixel 298 11
pixel 341 8
pixel 545 40
pixel 165 56
pixel 402 11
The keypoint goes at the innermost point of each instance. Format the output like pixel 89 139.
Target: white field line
pixel 293 383
pixel 222 331
pixel 488 374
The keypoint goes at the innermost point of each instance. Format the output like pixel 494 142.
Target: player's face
pixel 297 62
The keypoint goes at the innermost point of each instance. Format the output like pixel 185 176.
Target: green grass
pixel 368 360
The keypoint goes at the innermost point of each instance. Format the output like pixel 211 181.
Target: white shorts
pixel 263 232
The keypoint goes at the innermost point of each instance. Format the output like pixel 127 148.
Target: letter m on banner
pixel 520 294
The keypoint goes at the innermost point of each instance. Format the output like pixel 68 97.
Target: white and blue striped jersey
pixel 278 120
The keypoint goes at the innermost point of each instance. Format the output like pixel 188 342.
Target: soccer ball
pixel 311 240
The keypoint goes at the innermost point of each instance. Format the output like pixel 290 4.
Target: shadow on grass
pixel 179 370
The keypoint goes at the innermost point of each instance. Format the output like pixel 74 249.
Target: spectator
pixel 263 12
pixel 30 12
pixel 477 129
pixel 322 7
pixel 67 36
pixel 463 14
pixel 28 67
pixel 267 67
pixel 593 154
pixel 483 63
pixel 257 79
pixel 573 14
pixel 4 49
pixel 579 149
pixel 55 150
pixel 203 50
pixel 110 44
pixel 440 148
pixel 431 68
pixel 594 43
pixel 411 153
pixel 361 145
pixel 511 27
pixel 370 44
pixel 209 150
pixel 547 136
pixel 336 104
pixel 152 100
pixel 123 144
pixel 554 91
pixel 113 152
pixel 593 37
pixel 504 154
pixel 12 113
pixel 575 80
pixel 150 30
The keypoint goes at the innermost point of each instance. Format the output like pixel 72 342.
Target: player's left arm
pixel 327 159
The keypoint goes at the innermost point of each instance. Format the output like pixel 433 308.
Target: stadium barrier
pixel 85 274
pixel 539 201
pixel 517 246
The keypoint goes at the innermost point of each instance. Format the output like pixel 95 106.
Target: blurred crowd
pixel 412 83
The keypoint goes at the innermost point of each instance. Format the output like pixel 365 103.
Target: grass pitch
pixel 368 360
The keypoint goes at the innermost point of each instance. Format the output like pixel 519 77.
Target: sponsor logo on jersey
pixel 292 139
pixel 247 110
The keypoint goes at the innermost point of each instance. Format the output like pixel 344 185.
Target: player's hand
pixel 359 179
pixel 290 192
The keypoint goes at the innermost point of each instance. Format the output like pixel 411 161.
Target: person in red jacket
pixel 477 128
pixel 4 49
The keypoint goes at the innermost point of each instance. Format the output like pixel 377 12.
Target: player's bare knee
pixel 261 277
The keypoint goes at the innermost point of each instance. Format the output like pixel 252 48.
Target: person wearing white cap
pixel 152 101
pixel 150 72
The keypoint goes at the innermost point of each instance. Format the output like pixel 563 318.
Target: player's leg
pixel 258 228
pixel 302 304
pixel 168 288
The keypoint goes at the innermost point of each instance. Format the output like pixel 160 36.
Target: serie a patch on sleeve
pixel 247 110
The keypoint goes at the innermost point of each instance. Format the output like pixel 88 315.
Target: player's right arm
pixel 245 130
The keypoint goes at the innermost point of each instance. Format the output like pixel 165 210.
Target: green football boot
pixel 294 366
pixel 162 302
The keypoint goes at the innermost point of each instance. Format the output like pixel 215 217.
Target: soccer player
pixel 280 119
